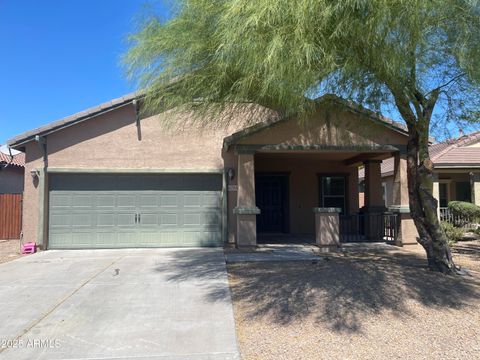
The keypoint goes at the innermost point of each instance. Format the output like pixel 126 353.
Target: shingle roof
pixel 72 119
pixel 18 160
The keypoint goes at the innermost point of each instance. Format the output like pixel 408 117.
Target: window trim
pixel 447 183
pixel 346 196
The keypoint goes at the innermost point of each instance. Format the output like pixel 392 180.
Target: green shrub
pixel 453 233
pixel 464 209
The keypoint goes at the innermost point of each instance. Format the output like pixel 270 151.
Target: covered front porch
pixel 286 195
pixel 298 179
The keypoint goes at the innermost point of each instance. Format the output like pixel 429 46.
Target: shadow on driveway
pixel 205 268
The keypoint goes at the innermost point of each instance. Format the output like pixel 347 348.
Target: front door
pixel 271 192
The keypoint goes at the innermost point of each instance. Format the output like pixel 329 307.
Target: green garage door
pixel 118 211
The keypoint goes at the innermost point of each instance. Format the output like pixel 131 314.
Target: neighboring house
pixel 12 177
pixel 107 178
pixel 456 171
pixel 12 173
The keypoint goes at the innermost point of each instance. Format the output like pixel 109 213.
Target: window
pixel 443 193
pixel 463 192
pixel 333 192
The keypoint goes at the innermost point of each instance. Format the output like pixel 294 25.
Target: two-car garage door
pixel 117 211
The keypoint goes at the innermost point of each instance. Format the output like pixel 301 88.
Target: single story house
pixel 109 177
pixel 456 172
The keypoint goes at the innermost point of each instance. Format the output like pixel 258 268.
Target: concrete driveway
pixel 117 304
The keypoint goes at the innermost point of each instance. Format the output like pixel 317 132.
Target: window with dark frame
pixel 333 192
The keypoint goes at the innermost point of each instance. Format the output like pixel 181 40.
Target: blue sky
pixel 61 56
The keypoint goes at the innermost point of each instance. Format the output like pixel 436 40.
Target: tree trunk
pixel 423 206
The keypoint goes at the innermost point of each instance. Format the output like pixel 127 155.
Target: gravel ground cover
pixel 358 305
pixel 9 250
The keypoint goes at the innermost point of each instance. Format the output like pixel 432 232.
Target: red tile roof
pixel 456 152
pixel 450 153
pixel 18 160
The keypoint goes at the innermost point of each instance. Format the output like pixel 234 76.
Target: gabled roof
pixel 76 118
pixel 18 159
pixel 356 108
pixel 21 139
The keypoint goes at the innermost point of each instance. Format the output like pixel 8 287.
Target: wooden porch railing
pixel 10 216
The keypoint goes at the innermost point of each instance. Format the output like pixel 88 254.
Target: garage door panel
pixel 148 201
pixel 60 200
pixel 126 202
pixel 192 219
pixel 205 238
pixel 105 201
pixel 169 200
pixel 212 219
pixel 211 200
pixel 192 201
pixel 125 239
pixel 149 220
pixel 99 211
pixel 106 220
pixel 59 220
pixel 83 201
pixel 126 220
pixel 169 220
pixel 80 220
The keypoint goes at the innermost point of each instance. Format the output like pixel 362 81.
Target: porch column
pixel 475 186
pixel 407 232
pixel 374 203
pixel 373 184
pixel 246 210
pixel 436 192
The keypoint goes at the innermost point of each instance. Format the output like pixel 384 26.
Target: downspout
pixel 228 175
pixel 225 207
pixel 137 119
pixel 42 192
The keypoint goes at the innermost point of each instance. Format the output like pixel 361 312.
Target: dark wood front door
pixel 271 192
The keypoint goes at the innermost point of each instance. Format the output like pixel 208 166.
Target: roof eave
pixel 19 141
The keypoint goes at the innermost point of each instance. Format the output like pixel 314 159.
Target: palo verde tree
pixel 420 57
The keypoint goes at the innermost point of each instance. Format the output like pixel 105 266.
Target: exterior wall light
pixel 35 173
pixel 230 173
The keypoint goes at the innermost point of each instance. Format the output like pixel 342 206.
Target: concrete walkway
pixel 274 252
pixel 117 304
pixel 301 252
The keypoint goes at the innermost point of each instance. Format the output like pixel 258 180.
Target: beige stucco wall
pixel 11 180
pixel 334 127
pixel 304 186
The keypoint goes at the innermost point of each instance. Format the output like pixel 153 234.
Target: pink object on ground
pixel 29 248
